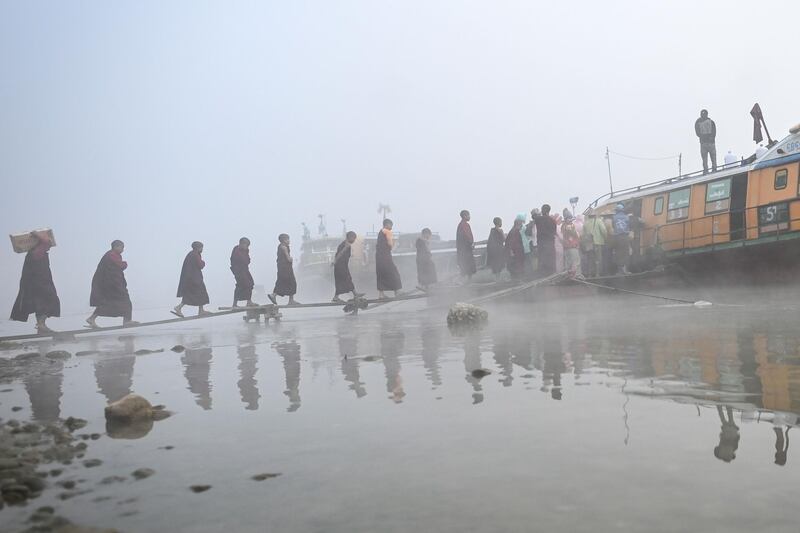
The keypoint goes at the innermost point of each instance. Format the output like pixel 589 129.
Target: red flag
pixel 758 118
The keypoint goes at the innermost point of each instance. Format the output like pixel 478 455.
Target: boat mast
pixel 608 158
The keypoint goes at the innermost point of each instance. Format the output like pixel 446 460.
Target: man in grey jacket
pixel 706 131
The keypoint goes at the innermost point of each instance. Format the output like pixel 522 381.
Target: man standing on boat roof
pixel 706 131
pixel 240 266
pixel 465 243
pixel 191 286
pixel 109 294
pixel 37 292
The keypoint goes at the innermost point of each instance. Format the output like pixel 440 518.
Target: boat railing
pixel 725 229
pixel 667 181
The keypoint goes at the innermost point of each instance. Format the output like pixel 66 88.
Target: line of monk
pixel 109 291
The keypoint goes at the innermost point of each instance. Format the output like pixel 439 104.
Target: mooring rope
pixel 667 298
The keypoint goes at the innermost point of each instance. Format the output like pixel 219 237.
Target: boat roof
pixel 782 152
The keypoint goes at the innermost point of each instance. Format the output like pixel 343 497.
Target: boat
pixel 740 223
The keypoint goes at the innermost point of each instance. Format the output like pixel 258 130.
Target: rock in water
pixel 132 417
pixel 129 408
pixel 462 314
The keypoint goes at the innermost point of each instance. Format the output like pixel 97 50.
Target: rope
pixel 644 158
pixel 633 292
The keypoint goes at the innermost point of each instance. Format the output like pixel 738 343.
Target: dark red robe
pixel 385 269
pixel 286 284
pixel 426 268
pixel 464 245
pixel 515 252
pixel 192 287
pixel 240 266
pixel 37 292
pixel 496 253
pixel 341 270
pixel 110 289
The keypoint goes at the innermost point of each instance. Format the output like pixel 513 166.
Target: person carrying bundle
pixel 37 292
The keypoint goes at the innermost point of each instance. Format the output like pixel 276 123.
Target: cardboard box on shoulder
pixel 24 242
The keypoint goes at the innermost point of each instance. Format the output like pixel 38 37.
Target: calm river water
pixel 626 415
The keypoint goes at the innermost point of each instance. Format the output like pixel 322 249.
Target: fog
pixel 160 124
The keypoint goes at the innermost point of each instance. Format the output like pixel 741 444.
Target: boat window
pixel 678 204
pixel 772 219
pixel 781 178
pixel 718 196
pixel 658 206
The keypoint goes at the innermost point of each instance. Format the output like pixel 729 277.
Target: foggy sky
pixel 160 123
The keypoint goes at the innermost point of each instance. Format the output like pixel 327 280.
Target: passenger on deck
pixel 342 279
pixel 385 269
pixel 465 244
pixel 730 159
pixel 192 287
pixel 286 284
pixel 593 244
pixel 514 251
pixel 546 241
pixel 495 248
pixel 622 241
pixel 426 269
pixel 37 292
pixel 529 242
pixel 571 240
pixel 240 266
pixel 109 294
pixel 706 131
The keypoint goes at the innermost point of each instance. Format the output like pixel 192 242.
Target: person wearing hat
pixel 621 241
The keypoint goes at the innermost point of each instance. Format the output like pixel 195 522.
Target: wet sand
pixel 617 415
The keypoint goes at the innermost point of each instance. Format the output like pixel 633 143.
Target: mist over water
pixel 612 412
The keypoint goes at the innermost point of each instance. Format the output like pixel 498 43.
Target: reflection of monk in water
pixel 114 375
pixel 431 344
pixel 44 392
pixel 248 386
pixel 502 358
pixel 197 368
pixel 392 342
pixel 472 362
pixel 728 436
pixel 348 348
pixel 290 353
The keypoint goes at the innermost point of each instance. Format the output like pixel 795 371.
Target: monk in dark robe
pixel 426 269
pixel 514 249
pixel 495 248
pixel 286 284
pixel 240 266
pixel 37 292
pixel 342 279
pixel 110 289
pixel 387 273
pixel 191 287
pixel 546 229
pixel 465 243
